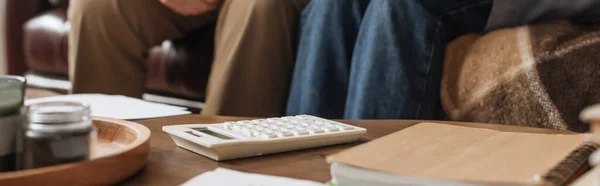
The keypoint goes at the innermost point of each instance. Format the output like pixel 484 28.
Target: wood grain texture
pixel 121 150
pixel 171 165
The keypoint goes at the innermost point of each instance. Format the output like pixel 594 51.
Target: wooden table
pixel 170 165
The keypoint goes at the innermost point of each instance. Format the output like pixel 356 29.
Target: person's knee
pixel 328 5
pixel 335 8
pixel 408 11
pixel 404 6
pixel 81 9
pixel 263 5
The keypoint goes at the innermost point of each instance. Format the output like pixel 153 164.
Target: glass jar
pixel 55 133
pixel 12 90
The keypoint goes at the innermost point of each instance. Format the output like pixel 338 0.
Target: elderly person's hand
pixel 191 7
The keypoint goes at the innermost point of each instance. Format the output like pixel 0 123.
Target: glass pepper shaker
pixel 55 133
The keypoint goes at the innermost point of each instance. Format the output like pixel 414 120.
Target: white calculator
pixel 240 139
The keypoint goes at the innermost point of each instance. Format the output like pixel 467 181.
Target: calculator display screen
pixel 212 133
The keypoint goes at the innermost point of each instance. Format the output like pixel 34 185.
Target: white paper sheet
pixel 117 106
pixel 221 176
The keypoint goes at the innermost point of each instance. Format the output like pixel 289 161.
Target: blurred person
pixel 254 52
pixel 363 59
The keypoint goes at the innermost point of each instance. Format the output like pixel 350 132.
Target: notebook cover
pixel 459 153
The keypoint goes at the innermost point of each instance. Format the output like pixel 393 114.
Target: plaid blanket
pixel 539 75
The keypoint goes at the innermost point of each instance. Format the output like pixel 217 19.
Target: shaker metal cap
pixel 12 93
pixel 57 112
pixel 590 113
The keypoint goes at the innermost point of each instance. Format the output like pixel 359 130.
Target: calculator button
pixel 284 134
pixel 300 132
pixel 307 120
pixel 288 118
pixel 268 135
pixel 331 129
pixel 316 131
pixel 332 126
pixel 249 133
pixel 276 119
pixel 348 128
pixel 258 131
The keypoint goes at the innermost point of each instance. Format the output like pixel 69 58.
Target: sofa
pixel 36 42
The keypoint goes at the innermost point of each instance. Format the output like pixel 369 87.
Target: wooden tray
pixel 121 151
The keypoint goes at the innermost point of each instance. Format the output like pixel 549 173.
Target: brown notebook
pixel 473 155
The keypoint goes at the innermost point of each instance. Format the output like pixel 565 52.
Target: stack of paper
pixel 116 106
pixel 221 176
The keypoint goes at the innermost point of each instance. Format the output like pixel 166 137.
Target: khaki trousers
pixel 254 52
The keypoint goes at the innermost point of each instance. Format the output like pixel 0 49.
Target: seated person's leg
pixel 255 45
pixel 397 53
pixel 109 39
pixel 397 64
pixel 328 30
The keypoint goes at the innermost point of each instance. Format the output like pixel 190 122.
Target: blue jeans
pixel 377 59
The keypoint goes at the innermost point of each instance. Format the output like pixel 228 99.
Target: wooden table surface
pixel 170 165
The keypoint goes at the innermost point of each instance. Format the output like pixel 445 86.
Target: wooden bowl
pixel 121 150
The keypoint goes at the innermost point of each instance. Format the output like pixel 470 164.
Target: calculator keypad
pixel 285 127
